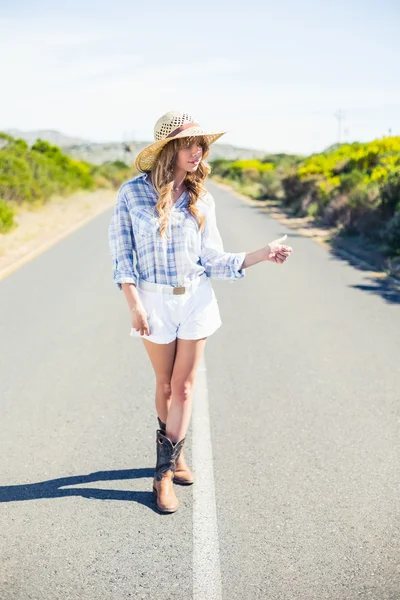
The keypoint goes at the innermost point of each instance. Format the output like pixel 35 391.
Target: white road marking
pixel 207 583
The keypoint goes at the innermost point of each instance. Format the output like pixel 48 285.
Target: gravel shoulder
pixel 39 228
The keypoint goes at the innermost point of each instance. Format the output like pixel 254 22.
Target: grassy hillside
pixel 33 174
pixel 355 187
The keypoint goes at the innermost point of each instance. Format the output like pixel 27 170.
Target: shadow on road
pixel 385 287
pixel 55 488
pixel 380 284
pixel 363 259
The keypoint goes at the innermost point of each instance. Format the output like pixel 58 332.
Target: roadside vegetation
pixel 353 188
pixel 32 175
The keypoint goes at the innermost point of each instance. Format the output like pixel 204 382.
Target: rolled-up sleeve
pixel 218 263
pixel 122 243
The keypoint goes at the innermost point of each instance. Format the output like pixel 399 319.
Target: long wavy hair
pixel 162 176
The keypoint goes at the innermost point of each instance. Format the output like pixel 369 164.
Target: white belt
pixel 169 289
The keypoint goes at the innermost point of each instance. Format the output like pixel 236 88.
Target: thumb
pixel 282 239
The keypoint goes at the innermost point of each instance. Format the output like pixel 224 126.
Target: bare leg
pixel 188 355
pixel 162 358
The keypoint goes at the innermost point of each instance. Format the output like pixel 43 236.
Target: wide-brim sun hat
pixel 172 125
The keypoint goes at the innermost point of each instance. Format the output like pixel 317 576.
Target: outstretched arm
pixel 230 265
pixel 275 251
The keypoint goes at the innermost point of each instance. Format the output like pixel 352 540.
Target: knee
pixel 181 390
pixel 165 387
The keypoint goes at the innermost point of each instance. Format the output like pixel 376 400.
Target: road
pixel 294 438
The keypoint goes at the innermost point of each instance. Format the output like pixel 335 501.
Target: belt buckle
pixel 178 290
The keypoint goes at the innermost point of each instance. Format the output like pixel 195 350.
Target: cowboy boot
pixel 163 487
pixel 183 475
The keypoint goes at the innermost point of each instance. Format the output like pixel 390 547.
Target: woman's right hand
pixel 139 320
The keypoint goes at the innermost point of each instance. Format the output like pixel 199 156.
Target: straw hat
pixel 174 124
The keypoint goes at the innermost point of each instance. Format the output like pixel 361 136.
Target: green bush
pixel 220 167
pixel 351 180
pixel 355 187
pixel 255 165
pixel 271 185
pixel 390 195
pixel 295 188
pixel 250 189
pixel 6 217
pixel 313 209
pixel 35 174
pixel 111 174
pixel 391 235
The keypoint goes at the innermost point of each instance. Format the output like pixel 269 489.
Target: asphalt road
pixel 294 438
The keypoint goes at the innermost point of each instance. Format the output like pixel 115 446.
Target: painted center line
pixel 206 563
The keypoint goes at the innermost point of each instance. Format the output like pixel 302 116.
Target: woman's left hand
pixel 277 252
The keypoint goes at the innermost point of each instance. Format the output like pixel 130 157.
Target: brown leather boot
pixel 183 474
pixel 163 488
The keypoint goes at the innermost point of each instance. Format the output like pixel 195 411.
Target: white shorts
pixel 189 316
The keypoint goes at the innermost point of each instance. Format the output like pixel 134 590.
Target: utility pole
pixel 340 116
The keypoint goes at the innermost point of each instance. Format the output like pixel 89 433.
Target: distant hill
pixel 98 153
pixel 54 137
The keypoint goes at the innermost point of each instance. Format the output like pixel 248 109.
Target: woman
pixel 165 247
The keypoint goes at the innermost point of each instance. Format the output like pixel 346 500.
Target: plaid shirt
pixel 138 251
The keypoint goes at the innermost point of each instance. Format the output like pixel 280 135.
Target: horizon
pixel 84 141
pixel 218 143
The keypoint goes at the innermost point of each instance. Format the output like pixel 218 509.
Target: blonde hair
pixel 162 176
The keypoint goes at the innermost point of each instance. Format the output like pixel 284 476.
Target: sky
pixel 272 74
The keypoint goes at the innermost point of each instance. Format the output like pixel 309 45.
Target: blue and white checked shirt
pixel 138 252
